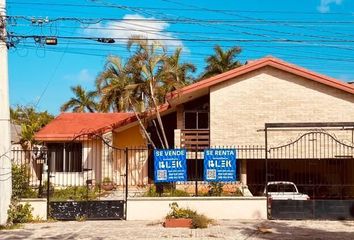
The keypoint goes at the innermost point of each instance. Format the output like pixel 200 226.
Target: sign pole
pixel 196 171
pixel 126 182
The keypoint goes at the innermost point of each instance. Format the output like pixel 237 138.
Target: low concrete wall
pixel 213 207
pixel 39 206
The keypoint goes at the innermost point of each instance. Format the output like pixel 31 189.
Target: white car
pixel 280 190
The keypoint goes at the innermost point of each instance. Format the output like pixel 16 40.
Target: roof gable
pixel 254 65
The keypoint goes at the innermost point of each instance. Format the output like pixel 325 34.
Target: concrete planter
pixel 108 186
pixel 39 206
pixel 178 223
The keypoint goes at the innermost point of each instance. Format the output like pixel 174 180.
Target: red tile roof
pixel 257 64
pixel 68 125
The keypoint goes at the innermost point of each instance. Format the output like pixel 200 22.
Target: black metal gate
pixel 88 178
pixel 319 163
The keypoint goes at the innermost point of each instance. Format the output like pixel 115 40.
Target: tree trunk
pixel 158 116
pixel 158 134
pixel 142 125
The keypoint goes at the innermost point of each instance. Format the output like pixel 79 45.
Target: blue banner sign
pixel 220 165
pixel 170 165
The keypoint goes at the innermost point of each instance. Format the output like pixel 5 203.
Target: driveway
pixel 153 230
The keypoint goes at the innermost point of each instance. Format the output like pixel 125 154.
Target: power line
pixel 158 31
pixel 239 26
pixel 245 46
pixel 183 20
pixel 248 18
pixel 295 56
pixel 193 21
pixel 154 30
pixel 175 9
pixel 197 40
pixel 52 76
pixel 313 43
pixel 205 24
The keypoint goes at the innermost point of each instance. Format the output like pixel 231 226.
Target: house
pixel 15 131
pixel 227 110
pixel 75 157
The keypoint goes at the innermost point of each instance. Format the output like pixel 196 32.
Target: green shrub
pixel 169 192
pixel 45 188
pixel 20 182
pixel 19 213
pixel 177 212
pixel 106 180
pixel 74 193
pixel 238 192
pixel 81 218
pixel 179 193
pixel 198 220
pixel 151 192
pixel 215 189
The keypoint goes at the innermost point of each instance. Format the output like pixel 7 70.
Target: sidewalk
pixel 250 230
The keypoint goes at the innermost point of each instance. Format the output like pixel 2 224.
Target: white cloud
pixel 324 6
pixel 82 76
pixel 134 24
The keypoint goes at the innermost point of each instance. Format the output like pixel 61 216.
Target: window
pixel 203 120
pixel 281 187
pixel 190 120
pixel 196 120
pixel 65 157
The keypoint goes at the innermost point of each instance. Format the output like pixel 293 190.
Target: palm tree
pixel 149 58
pixel 221 61
pixel 174 73
pixel 81 102
pixel 31 121
pixel 115 86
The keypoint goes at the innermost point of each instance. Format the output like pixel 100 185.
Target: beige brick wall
pixel 240 107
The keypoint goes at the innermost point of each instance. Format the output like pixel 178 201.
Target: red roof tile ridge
pixel 312 73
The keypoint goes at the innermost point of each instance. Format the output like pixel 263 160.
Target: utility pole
pixel 5 146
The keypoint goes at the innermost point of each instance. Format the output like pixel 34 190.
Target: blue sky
pixel 316 34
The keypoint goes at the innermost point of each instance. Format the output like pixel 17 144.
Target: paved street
pixel 250 230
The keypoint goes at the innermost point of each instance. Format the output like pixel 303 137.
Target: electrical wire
pixel 197 40
pixel 176 9
pixel 183 20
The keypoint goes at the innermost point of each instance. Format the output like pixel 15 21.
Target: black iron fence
pixel 93 168
pixel 317 167
pixel 77 166
pixel 80 175
pixel 91 163
pixel 28 175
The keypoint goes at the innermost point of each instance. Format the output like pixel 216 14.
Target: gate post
pixel 126 183
pixel 196 170
pixel 48 184
pixel 266 167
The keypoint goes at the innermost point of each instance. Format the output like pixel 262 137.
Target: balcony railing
pixel 195 139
